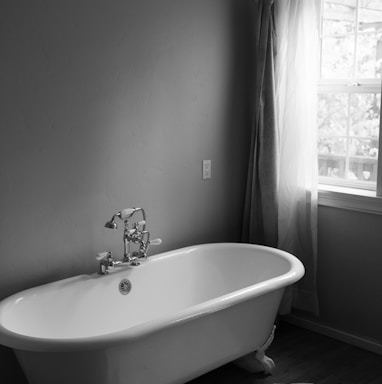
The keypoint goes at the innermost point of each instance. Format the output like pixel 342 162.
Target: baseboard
pixel 334 333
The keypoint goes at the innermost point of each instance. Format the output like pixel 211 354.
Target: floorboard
pixel 302 356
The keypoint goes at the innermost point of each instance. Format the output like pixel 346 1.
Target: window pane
pixel 363 170
pixel 364 116
pixel 332 131
pixel 348 135
pixel 367 148
pixel 338 30
pixel 369 60
pixel 372 4
pixel 339 17
pixel 332 114
pixel 338 20
pixel 369 44
pixel 331 166
pixel 370 15
pixel 332 145
pixel 337 57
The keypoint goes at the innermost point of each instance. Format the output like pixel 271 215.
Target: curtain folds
pixel 260 213
pixel 281 199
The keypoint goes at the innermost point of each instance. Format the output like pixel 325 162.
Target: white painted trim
pixel 334 333
pixel 346 198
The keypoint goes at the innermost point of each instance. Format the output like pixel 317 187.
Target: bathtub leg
pixel 267 363
pixel 258 361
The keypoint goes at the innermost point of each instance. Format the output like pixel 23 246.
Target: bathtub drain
pixel 124 286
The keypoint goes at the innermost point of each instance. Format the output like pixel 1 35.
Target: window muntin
pixel 349 96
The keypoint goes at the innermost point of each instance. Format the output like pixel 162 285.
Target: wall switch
pixel 206 169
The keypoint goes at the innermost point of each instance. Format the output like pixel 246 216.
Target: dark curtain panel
pixel 260 213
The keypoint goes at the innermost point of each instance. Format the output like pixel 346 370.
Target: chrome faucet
pixel 135 233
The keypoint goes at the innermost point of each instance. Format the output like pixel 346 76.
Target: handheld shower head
pixel 124 215
pixel 111 224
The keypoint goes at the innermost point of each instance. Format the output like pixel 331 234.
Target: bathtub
pixel 176 316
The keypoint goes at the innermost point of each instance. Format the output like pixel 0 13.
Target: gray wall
pixel 111 104
pixel 349 273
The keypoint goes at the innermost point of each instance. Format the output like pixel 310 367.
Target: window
pixel 349 93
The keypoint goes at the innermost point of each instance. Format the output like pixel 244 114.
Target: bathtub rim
pixel 24 342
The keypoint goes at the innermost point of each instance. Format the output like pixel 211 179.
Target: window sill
pixel 349 198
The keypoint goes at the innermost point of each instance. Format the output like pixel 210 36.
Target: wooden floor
pixel 302 356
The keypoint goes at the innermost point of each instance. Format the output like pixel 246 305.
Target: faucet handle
pixel 103 255
pixel 140 223
pixel 155 241
pixel 126 213
pixel 105 262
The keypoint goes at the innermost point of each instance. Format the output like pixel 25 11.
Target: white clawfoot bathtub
pixel 188 312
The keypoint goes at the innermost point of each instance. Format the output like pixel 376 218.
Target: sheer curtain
pixel 296 98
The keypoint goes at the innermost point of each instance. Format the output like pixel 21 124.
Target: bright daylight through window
pixel 349 99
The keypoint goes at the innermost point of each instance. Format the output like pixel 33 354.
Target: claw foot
pixel 266 363
pixel 258 361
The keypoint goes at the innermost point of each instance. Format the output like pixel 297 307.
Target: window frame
pixel 342 193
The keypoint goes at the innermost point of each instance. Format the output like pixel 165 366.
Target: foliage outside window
pixel 349 98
